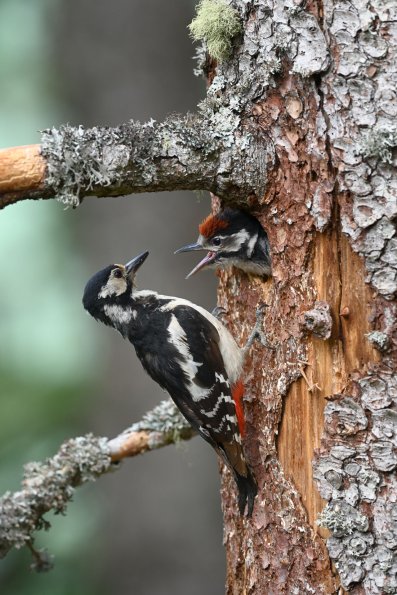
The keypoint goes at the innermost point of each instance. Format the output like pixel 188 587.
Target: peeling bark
pixel 22 174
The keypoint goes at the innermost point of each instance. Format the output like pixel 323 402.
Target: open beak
pixel 189 248
pixel 133 265
pixel 208 259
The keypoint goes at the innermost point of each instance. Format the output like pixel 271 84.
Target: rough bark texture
pixel 297 127
pixel 200 152
pixel 329 389
pixel 322 93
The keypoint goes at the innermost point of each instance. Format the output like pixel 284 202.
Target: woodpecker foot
pixel 218 312
pixel 257 333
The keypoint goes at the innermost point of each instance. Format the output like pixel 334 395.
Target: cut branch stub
pixel 208 151
pixel 22 174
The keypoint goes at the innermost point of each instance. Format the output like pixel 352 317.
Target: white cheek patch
pixel 251 245
pixel 237 240
pixel 114 286
pixel 118 314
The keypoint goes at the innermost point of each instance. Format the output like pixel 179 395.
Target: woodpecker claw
pixel 260 335
pixel 257 332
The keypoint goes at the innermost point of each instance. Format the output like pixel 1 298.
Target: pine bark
pixel 321 408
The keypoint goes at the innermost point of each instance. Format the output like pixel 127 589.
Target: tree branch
pixel 22 174
pixel 207 151
pixel 50 485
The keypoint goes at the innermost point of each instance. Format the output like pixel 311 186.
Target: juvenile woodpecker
pixel 188 352
pixel 232 237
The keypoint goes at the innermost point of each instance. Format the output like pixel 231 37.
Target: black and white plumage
pixel 188 352
pixel 232 238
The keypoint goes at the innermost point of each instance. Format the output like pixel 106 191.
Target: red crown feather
pixel 211 225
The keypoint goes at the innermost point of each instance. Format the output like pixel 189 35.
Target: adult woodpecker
pixel 232 237
pixel 188 352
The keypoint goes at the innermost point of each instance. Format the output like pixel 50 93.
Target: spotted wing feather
pixel 194 374
pixel 191 368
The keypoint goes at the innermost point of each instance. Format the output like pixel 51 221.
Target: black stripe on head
pixel 93 287
pixel 237 220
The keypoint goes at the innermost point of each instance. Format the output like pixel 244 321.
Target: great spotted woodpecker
pixel 188 352
pixel 232 237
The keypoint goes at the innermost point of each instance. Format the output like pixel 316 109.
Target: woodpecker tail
pixel 247 490
pixel 233 455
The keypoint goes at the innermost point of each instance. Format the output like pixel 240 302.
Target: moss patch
pixel 216 23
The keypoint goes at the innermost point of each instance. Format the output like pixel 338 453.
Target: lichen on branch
pixel 50 485
pixel 178 153
pixel 195 152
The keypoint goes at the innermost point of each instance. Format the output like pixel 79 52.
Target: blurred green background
pixel 47 351
pixel 154 527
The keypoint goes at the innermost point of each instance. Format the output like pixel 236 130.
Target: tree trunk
pixel 326 393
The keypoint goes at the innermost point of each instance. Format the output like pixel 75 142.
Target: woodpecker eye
pixel 118 273
pixel 216 241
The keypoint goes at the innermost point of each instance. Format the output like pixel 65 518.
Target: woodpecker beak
pixel 133 265
pixel 205 262
pixel 189 248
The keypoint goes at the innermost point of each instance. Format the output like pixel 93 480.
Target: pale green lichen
pixel 380 340
pixel 216 23
pixel 164 418
pixel 379 143
pixel 342 519
pixel 200 58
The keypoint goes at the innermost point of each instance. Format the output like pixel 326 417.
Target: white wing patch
pixel 230 351
pixel 221 378
pixel 222 399
pixel 137 293
pixel 188 365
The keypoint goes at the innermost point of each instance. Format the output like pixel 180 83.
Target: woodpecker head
pixel 232 237
pixel 107 295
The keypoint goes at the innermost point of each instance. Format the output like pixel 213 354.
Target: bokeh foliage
pixel 47 354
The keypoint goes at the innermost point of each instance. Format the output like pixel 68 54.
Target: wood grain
pixel 22 173
pixel 339 280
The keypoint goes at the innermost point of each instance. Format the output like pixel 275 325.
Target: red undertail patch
pixel 237 394
pixel 211 225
